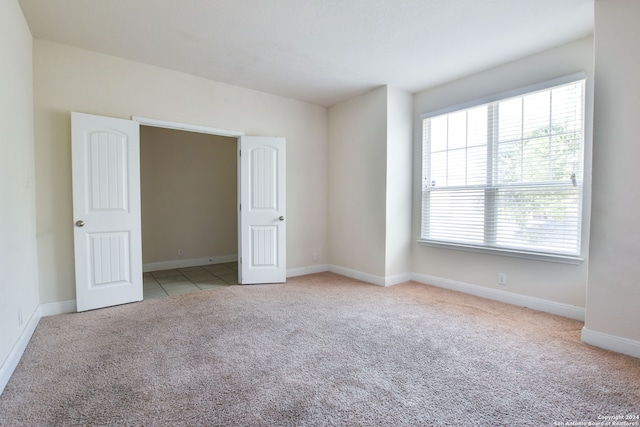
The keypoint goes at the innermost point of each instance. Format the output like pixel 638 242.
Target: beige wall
pixel 18 275
pixel 613 292
pixel 189 195
pixel 69 79
pixel 357 179
pixel 370 185
pixel 555 282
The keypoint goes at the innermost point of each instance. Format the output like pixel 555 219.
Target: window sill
pixel 538 256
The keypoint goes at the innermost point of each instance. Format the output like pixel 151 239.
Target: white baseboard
pixel 565 310
pixel 9 365
pixel 370 278
pixel 397 279
pixel 184 263
pixel 60 307
pixel 610 342
pixel 303 271
pixel 43 310
pixel 358 275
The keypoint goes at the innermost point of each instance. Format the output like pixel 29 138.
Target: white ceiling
pixel 320 51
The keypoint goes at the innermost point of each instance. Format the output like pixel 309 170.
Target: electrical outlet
pixel 502 279
pixel 180 252
pixel 314 257
pixel 19 317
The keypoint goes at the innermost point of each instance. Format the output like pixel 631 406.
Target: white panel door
pixel 262 223
pixel 106 210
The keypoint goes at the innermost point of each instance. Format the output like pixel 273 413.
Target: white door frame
pixel 267 273
pixel 144 121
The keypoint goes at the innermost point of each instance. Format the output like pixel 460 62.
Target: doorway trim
pixel 144 121
pixel 187 127
pixel 261 275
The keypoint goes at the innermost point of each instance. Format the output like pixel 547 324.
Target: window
pixel 507 175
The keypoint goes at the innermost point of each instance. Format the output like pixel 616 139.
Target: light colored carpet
pixel 320 350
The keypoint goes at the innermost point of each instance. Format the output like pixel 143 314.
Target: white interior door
pixel 262 219
pixel 106 210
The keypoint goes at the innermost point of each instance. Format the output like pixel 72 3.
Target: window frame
pixel 584 200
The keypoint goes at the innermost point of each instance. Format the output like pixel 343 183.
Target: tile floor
pixel 179 281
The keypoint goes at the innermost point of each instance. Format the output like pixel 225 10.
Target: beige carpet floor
pixel 319 350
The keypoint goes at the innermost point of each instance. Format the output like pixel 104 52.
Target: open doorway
pixel 107 208
pixel 189 211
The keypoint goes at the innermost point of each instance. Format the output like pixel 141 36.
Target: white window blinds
pixel 507 174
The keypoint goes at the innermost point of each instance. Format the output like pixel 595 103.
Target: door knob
pixel 281 218
pixel 79 223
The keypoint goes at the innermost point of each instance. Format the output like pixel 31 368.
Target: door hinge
pixel 240 206
pixel 240 153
